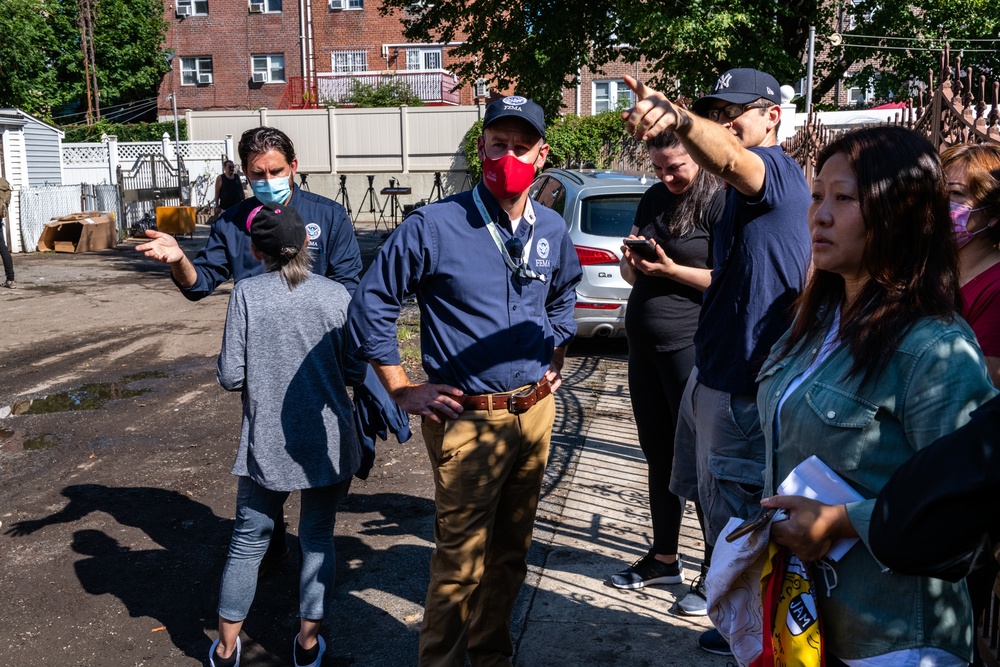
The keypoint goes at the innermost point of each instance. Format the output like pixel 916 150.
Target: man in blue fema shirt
pixel 495 279
pixel 268 159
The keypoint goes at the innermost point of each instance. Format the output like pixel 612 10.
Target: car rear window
pixel 608 215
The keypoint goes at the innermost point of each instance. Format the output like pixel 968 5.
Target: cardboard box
pixel 176 219
pixel 80 232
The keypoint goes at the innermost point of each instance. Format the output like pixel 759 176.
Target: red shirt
pixel 981 309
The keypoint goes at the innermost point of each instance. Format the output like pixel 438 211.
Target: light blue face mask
pixel 272 190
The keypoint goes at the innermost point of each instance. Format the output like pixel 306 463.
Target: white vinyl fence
pixel 97 163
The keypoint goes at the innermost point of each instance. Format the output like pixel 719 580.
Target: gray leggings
pixel 255 507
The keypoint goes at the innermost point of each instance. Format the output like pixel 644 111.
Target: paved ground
pixel 116 503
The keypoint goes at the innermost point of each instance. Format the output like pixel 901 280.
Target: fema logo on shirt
pixel 515 101
pixel 313 230
pixel 543 248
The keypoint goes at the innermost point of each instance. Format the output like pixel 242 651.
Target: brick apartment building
pixel 247 54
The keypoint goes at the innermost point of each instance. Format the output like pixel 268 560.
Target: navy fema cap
pixel 742 86
pixel 515 106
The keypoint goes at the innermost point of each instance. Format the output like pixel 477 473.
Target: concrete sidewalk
pixel 591 523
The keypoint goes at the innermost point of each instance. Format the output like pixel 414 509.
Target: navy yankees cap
pixel 742 86
pixel 515 106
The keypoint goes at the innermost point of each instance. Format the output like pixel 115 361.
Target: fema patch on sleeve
pixel 542 247
pixel 313 230
pixel 515 101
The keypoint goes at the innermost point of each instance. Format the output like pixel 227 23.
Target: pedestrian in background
pixel 8 263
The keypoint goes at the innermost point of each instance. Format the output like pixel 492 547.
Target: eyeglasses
pixel 733 111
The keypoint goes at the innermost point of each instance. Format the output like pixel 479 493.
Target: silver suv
pixel 599 209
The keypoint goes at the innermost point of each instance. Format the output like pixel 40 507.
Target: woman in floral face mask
pixel 973 175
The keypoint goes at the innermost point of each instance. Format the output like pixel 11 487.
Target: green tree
pixel 898 43
pixel 539 46
pixel 27 51
pixel 41 60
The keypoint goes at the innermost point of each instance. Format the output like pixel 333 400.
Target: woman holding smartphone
pixel 677 215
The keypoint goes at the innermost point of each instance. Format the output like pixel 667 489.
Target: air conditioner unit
pixel 338 4
pixel 260 77
pixel 204 78
pixel 482 89
pixel 256 7
pixel 184 10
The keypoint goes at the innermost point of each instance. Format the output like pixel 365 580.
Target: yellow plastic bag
pixel 793 635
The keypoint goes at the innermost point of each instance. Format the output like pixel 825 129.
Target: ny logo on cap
pixel 723 81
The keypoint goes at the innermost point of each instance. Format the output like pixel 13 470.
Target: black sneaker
pixel 648 571
pixel 712 641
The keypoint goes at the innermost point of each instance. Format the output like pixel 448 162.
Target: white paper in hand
pixel 814 479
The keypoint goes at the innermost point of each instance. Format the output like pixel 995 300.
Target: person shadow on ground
pixel 176 584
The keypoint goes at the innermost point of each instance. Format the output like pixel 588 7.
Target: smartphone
pixel 643 248
pixel 759 521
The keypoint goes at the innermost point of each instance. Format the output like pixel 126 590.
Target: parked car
pixel 599 209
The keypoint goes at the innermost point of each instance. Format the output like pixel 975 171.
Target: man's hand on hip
pixel 429 400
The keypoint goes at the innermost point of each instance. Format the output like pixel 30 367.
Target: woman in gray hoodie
pixel 283 349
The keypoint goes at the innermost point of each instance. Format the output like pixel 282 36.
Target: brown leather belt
pixel 515 402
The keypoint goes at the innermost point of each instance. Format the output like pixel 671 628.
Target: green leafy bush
pixel 573 141
pixel 389 92
pixel 124 131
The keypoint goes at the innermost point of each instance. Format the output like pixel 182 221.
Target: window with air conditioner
pixel 423 58
pixel 265 6
pixel 347 4
pixel 611 95
pixel 349 61
pixel 256 7
pixel 193 68
pixel 269 66
pixel 204 79
pixel 192 7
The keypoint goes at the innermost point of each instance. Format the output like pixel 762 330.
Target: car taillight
pixel 591 256
pixel 598 306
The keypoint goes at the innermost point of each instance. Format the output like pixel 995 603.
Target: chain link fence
pixel 41 204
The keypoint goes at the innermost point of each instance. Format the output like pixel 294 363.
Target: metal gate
pixel 152 181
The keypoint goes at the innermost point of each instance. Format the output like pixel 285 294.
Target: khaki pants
pixel 488 467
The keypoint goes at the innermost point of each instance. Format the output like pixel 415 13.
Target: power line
pixel 912 48
pixel 143 108
pixel 922 39
pixel 113 106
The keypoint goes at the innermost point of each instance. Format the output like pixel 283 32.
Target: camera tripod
pixel 436 191
pixel 374 206
pixel 342 197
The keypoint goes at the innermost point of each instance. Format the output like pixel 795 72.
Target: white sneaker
pixel 694 604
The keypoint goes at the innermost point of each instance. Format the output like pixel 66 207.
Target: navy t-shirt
pixel 663 313
pixel 761 257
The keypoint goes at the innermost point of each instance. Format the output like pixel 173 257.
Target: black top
pixel 662 312
pixel 933 516
pixel 231 192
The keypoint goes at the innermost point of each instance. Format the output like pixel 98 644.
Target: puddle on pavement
pixel 41 441
pixel 91 396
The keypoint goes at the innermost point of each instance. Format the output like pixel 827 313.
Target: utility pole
pixel 86 60
pixel 93 59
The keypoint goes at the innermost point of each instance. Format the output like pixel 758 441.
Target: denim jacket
pixel 932 381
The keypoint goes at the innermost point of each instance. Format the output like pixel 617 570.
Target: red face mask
pixel 507 177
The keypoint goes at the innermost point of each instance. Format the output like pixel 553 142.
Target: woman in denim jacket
pixel 875 367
